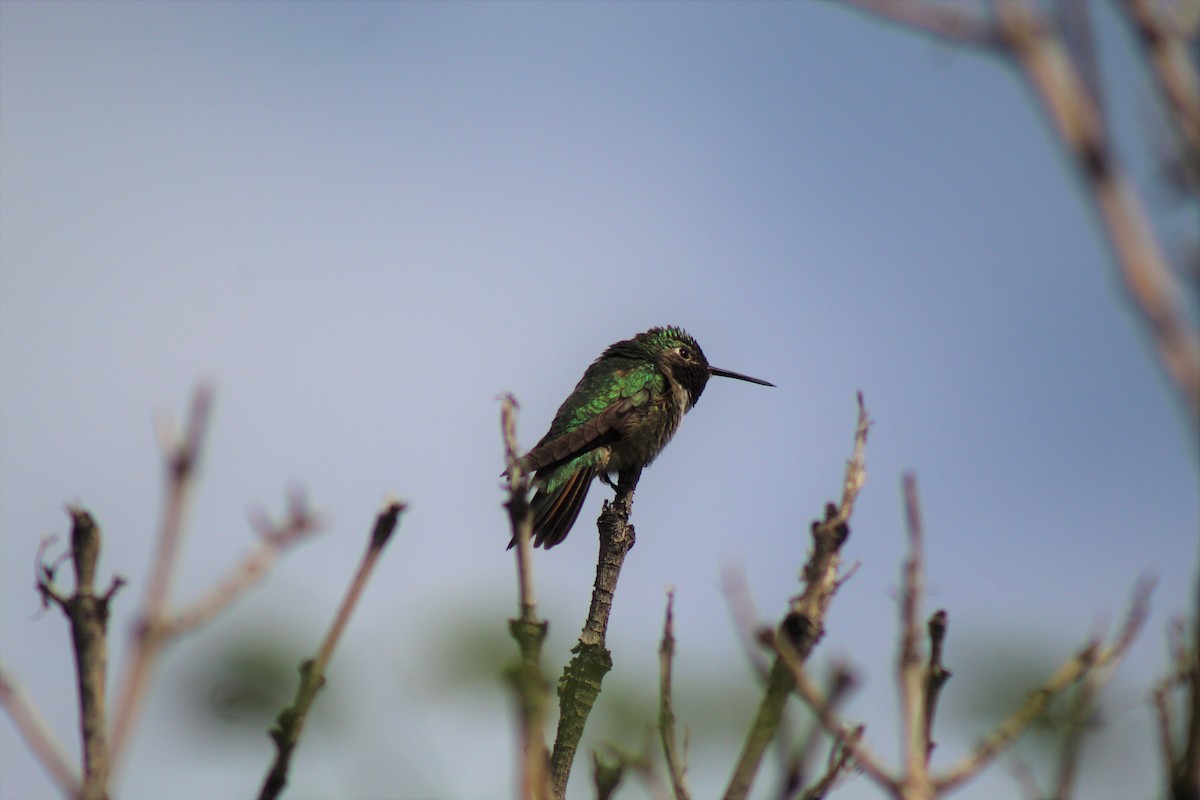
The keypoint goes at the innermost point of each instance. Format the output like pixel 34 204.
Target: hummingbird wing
pixel 594 433
pixel 605 428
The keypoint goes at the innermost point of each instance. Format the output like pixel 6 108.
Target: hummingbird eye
pixel 684 352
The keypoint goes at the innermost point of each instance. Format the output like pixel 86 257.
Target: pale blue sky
pixel 364 221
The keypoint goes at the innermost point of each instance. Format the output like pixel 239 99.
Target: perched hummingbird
pixel 621 415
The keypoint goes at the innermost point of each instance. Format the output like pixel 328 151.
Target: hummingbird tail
pixel 555 512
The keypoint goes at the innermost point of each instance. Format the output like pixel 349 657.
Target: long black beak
pixel 724 373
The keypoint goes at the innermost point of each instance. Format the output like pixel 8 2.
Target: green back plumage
pixel 600 388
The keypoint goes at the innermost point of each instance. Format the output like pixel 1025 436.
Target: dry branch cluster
pixel 920 673
pixel 1061 72
pixel 157 626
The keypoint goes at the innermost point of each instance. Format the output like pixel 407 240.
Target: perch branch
pixel 580 682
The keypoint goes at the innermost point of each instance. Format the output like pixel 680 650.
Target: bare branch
pixel 181 456
pixel 275 538
pixel 1186 777
pixel 518 506
pixel 1181 762
pixel 804 623
pixel 910 671
pixel 936 675
pixel 856 468
pixel 953 22
pixel 839 684
pixel 1092 657
pixel 37 734
pixel 745 618
pixel 841 760
pixel 1029 39
pixel 1148 279
pixel 1166 45
pixel 88 615
pixel 1077 723
pixel 290 722
pixel 579 685
pixel 527 679
pixel 676 766
pixel 864 758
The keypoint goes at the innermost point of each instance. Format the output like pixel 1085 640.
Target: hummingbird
pixel 622 413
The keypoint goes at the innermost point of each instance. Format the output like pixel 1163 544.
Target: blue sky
pixel 362 222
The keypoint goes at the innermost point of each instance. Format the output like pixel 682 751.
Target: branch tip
pixel 385 523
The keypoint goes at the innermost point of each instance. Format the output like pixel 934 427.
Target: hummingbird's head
pixel 680 358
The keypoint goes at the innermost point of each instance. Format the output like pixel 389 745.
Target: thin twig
pixel 955 23
pixel 527 679
pixel 1166 47
pixel 1024 778
pixel 1186 778
pixel 274 539
pixel 1075 26
pixel 864 758
pixel 856 468
pixel 804 623
pixel 839 684
pixel 518 506
pixel 1164 716
pixel 1024 34
pixel 1091 657
pixel 181 457
pixel 1077 723
pixel 290 722
pixel 37 734
pixel 936 675
pixel 909 669
pixel 736 589
pixel 1082 704
pixel 1149 280
pixel 676 766
pixel 1181 761
pixel 841 759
